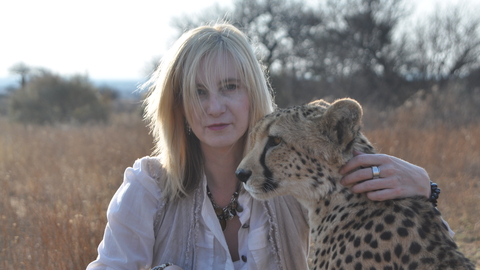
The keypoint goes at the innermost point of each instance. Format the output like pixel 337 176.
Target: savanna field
pixel 56 181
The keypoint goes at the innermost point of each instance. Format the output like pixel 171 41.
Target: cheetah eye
pixel 277 140
pixel 273 141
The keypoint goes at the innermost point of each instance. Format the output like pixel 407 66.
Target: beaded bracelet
pixel 162 266
pixel 435 192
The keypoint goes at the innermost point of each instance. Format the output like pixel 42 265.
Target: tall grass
pixel 56 182
pixel 451 155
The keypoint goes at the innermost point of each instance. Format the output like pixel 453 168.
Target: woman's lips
pixel 217 126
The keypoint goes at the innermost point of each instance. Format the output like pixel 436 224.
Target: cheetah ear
pixel 319 103
pixel 341 122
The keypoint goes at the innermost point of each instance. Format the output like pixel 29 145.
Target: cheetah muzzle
pixel 299 150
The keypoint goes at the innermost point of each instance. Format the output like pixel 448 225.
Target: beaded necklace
pixel 228 212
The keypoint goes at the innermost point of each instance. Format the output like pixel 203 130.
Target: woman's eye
pixel 201 92
pixel 231 86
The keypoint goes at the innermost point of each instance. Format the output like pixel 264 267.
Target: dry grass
pixel 451 156
pixel 56 183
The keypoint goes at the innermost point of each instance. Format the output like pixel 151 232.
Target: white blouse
pixel 252 240
pixel 128 233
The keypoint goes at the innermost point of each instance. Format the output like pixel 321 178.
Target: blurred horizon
pixel 126 88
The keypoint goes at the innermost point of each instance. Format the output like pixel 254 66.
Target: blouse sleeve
pixel 129 234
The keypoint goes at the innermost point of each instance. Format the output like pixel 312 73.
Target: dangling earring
pixel 189 129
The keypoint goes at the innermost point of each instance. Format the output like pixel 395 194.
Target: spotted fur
pixel 299 150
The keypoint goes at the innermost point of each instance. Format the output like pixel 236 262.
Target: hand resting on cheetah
pixel 298 151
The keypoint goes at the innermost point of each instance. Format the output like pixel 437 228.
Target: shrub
pixel 48 98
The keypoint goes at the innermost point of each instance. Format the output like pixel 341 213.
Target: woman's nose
pixel 216 105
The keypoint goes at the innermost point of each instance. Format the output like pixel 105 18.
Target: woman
pixel 185 209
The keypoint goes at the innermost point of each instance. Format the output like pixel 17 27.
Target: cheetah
pixel 299 150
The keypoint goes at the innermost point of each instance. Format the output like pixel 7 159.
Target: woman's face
pixel 225 103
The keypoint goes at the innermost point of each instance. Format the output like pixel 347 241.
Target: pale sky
pixel 105 39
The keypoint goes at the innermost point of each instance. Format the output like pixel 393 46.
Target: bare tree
pixel 23 70
pixel 279 29
pixel 446 45
pixel 351 47
pixel 360 33
pixel 354 50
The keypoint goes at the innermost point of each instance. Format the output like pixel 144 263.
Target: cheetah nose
pixel 243 175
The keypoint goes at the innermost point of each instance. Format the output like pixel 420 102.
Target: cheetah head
pixel 299 150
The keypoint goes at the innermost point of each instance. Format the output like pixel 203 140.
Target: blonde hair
pixel 173 84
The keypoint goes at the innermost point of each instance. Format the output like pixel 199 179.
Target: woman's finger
pixel 357 176
pixel 372 185
pixel 385 194
pixel 363 160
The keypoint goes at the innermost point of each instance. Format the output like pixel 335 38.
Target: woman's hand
pixel 397 178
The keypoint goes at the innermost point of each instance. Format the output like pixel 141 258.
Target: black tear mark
pixel 269 184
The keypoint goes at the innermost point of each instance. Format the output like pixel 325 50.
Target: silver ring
pixel 375 172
